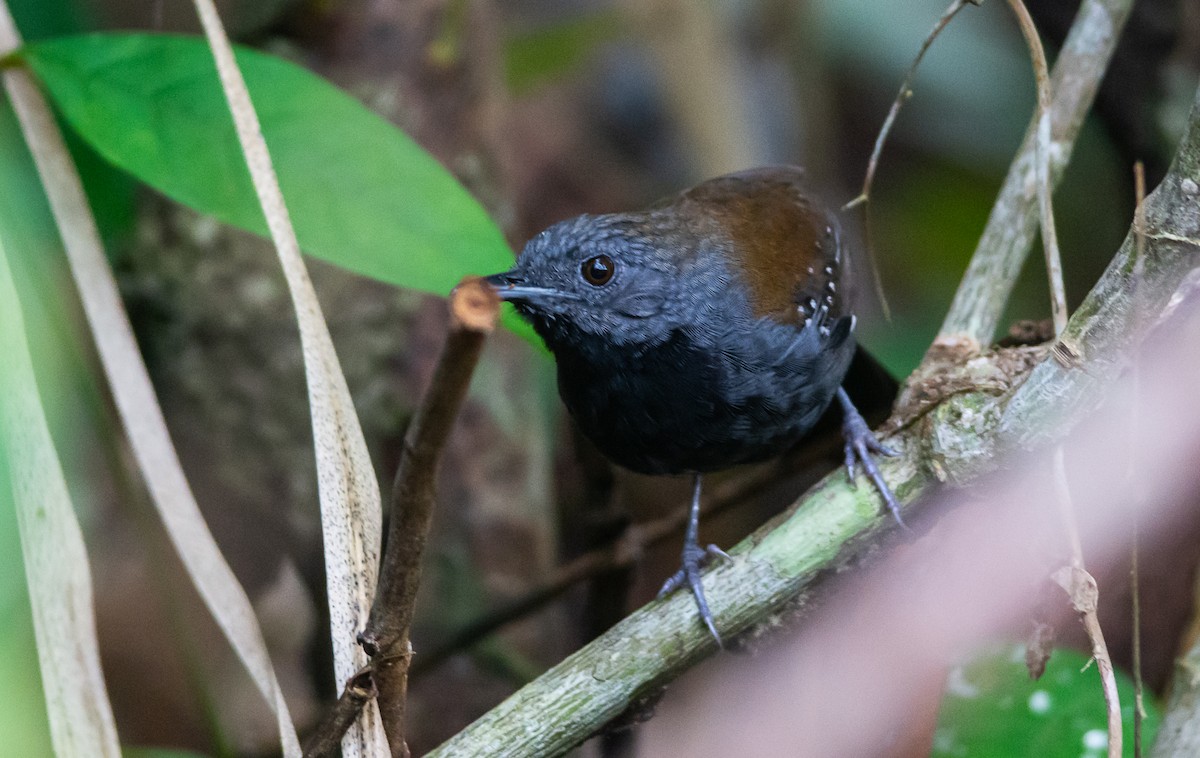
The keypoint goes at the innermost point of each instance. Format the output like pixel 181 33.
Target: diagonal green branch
pixel 658 642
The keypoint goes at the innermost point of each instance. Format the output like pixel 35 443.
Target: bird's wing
pixel 785 246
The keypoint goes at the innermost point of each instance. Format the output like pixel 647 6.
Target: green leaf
pixel 532 57
pixel 361 193
pixel 992 708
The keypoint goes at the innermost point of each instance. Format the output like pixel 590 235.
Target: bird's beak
pixel 501 282
pixel 511 286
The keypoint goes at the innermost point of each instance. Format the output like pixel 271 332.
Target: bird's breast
pixel 697 403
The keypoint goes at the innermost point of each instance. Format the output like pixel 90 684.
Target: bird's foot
pixel 861 449
pixel 696 558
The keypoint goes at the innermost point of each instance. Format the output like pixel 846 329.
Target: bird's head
pixel 621 278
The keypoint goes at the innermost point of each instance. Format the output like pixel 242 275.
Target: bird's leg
pixel 861 446
pixel 694 558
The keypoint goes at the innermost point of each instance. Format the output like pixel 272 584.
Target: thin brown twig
pixel 999 256
pixel 326 739
pixel 1084 594
pixel 864 196
pixel 1041 72
pixel 1139 704
pixel 584 567
pixel 621 554
pixel 902 96
pixel 474 309
pixel 1108 680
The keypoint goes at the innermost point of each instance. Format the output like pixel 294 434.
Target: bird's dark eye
pixel 599 270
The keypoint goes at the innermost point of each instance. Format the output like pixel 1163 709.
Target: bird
pixel 711 330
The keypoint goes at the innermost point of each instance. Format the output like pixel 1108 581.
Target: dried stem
pixel 1081 588
pixel 1041 72
pixel 1108 680
pixel 864 196
pixel 1139 708
pixel 979 302
pixel 132 392
pixel 474 309
pixel 351 521
pixel 326 739
pixel 1139 702
pixel 53 554
pixel 902 97
pixel 581 569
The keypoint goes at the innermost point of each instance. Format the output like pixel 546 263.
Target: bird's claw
pixel 861 449
pixel 715 552
pixel 694 560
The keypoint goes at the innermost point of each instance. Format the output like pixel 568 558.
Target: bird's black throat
pixel 673 405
